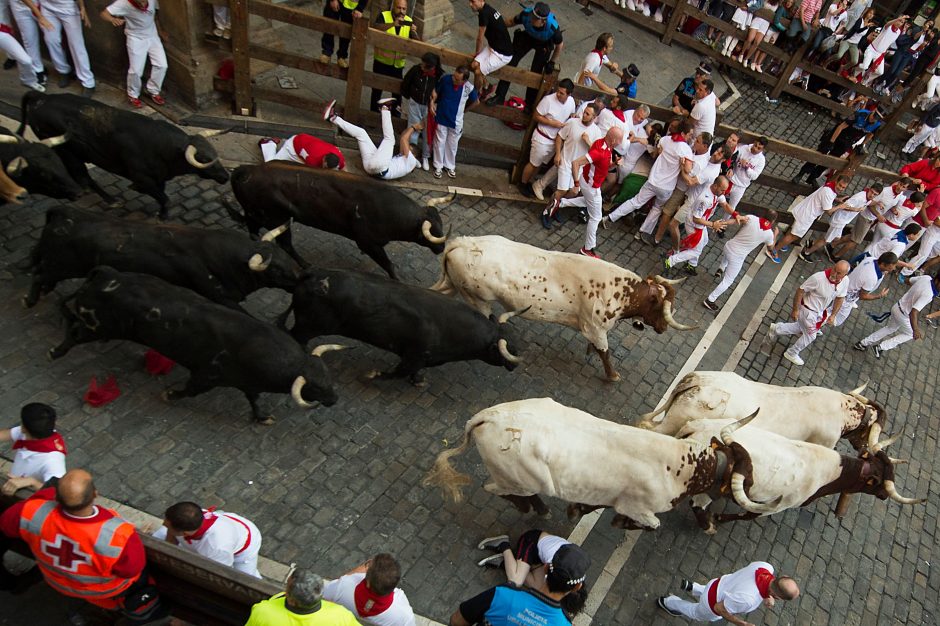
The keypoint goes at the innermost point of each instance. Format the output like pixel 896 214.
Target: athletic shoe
pixel 785 249
pixel 330 111
pixel 88 92
pixel 589 253
pixel 135 102
pixel 546 221
pixel 494 543
pixel 41 77
pixel 711 306
pixel 902 278
pixel 605 222
pixel 793 358
pixel 582 216
pixel 661 603
pixel 487 92
pixel 387 102
pixel 558 218
pixel 64 81
pixel 157 99
pixel 343 63
pixel 772 332
pixel 772 255
pixel 877 351
pixel 526 190
pixel 931 321
pixel 686 585
pixel 858 346
pixel 452 173
pixel 37 87
pixel 719 273
pixel 552 206
pixel 495 561
pixel 667 263
pixel 805 257
pixel 647 239
pixel 636 236
pixel 425 164
pixel 538 191
pixel 325 58
pixel 690 269
pixel 438 173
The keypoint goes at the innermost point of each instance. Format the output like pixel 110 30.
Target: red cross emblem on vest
pixel 65 553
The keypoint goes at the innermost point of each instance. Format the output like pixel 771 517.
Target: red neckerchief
pixel 894 189
pixel 138 7
pixel 765 224
pixel 430 72
pixel 677 137
pixel 618 114
pixel 828 277
pixel 52 443
pixel 208 519
pixel 831 185
pixel 599 54
pixel 691 240
pixel 763 578
pixel 369 603
pixel 455 85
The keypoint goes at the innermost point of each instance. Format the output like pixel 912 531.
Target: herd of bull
pixel 177 289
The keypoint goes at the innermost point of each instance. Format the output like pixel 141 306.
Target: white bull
pixel 813 414
pixel 539 446
pixel 586 294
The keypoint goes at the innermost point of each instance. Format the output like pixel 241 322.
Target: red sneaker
pixel 135 102
pixel 157 99
pixel 590 253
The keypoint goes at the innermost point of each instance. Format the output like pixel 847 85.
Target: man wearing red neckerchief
pixel 811 309
pixel 731 595
pixel 139 19
pixel 807 211
pixel 370 592
pixel 39 450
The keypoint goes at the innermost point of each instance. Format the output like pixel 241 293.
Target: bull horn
pixel 873 433
pixel 327 347
pixel 295 390
pixel 191 158
pixel 505 317
pixel 16 165
pixel 4 138
pixel 730 428
pixel 52 142
pixel 426 231
pixel 667 281
pixel 743 501
pixel 667 315
pixel 504 351
pixel 442 200
pixel 895 461
pixel 214 133
pixel 271 235
pixel 894 495
pixel 258 264
pixel 857 394
pixel 881 445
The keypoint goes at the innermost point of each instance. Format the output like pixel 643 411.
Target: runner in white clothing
pixel 863 280
pixel 551 114
pixel 39 450
pixel 806 212
pixel 139 19
pixel 872 64
pixel 381 160
pixel 897 243
pixel 903 323
pixel 705 111
pixel 701 218
pixel 370 591
pixel 754 231
pixel 29 75
pixel 748 166
pixel 29 20
pixel 811 309
pixel 889 196
pixel 572 142
pixel 700 160
pixel 897 216
pixel 840 216
pixel 596 59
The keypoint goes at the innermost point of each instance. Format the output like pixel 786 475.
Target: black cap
pixel 570 565
pixel 541 10
pixel 633 70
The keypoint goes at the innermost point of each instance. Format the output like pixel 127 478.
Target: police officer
pixel 540 32
pixel 344 11
pixel 389 62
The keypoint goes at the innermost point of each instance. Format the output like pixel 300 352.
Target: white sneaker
pixel 538 190
pixel 646 10
pixel 659 15
pixel 425 164
pixel 37 87
pixel 793 358
pixel 452 173
pixel 631 5
pixel 772 333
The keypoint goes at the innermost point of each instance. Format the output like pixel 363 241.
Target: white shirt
pixel 864 277
pixel 551 108
pixel 592 63
pixel 222 540
pixel 548 546
pixel 702 204
pixel 887 244
pixel 834 18
pixel 343 591
pixel 633 151
pixel 699 163
pixel 665 170
pixel 39 465
pixel 400 165
pixel 814 205
pixel 748 237
pixel 607 120
pixel 887 198
pixel 819 293
pixel 918 296
pixel 704 114
pixel 749 166
pixel 901 213
pixel 573 148
pixel 138 23
pixel 738 591
pixel 842 216
pixel 706 173
pixel 886 39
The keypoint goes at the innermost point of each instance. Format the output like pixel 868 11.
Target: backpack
pixel 517 103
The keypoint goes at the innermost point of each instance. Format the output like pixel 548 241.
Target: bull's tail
pixel 444 475
pixel 443 284
pixel 233 212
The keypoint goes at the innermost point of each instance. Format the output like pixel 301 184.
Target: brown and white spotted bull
pixel 539 446
pixel 775 473
pixel 586 294
pixel 812 414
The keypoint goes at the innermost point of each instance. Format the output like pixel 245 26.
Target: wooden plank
pixel 673 22
pixel 357 67
pixel 243 102
pixel 730 29
pixel 297 17
pixel 297 61
pixel 698 46
pixel 815 98
pixel 866 91
pixel 788 68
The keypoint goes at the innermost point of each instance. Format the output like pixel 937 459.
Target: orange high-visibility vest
pixel 76 558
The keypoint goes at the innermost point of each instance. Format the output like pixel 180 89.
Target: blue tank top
pixel 521 607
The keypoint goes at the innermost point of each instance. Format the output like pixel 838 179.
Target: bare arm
pixel 864 295
pixel 6 435
pixel 797 301
pixel 458 620
pixel 548 121
pixel 43 22
pixel 914 326
pixel 15 483
pixel 831 321
pixel 480 34
pixel 114 21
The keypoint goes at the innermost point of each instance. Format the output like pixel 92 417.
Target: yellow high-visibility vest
pixel 352 5
pixel 391 57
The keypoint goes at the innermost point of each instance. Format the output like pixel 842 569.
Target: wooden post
pixel 357 67
pixel 548 81
pixel 794 59
pixel 243 103
pixel 677 12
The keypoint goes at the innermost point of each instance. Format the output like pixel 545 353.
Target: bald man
pixel 84 550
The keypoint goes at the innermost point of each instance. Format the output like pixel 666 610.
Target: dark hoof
pixel 574 512
pixel 115 204
pixel 28 302
pixel 613 378
pixel 54 353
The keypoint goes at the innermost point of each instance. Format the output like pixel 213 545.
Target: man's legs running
pixel 730 268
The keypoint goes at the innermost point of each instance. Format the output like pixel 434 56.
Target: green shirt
pixel 272 612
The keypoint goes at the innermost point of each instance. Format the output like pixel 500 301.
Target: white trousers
pixel 221 17
pixel 730 267
pixel 591 200
pixel 24 64
pixel 696 611
pixel 735 195
pixel 870 55
pixel 898 325
pixel 929 248
pixel 647 191
pixel 71 23
pixel 882 231
pixel 29 32
pixel 690 255
pixel 918 138
pixel 844 311
pixel 804 326
pixel 375 160
pixel 446 140
pixel 138 51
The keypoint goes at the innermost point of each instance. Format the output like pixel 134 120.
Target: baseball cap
pixel 570 564
pixel 541 10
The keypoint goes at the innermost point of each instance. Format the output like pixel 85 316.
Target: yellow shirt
pixel 272 612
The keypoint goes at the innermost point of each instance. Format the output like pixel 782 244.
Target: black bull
pixel 221 347
pixel 368 211
pixel 148 152
pixel 222 265
pixel 424 328
pixel 36 166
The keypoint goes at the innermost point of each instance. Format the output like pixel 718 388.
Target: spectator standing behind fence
pixel 684 95
pixel 596 59
pixel 221 22
pixel 540 32
pixel 139 19
pixel 389 62
pixel 28 20
pixel 417 87
pixel 344 11
pixel 68 16
pixel 370 592
pixel 39 451
pixel 802 24
pixel 300 604
pixel 452 96
pixel 494 46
